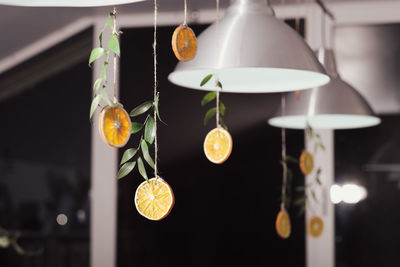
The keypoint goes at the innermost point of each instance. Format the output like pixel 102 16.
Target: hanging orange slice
pixel 282 224
pixel 218 145
pixel 184 43
pixel 306 163
pixel 315 226
pixel 154 199
pixel 114 126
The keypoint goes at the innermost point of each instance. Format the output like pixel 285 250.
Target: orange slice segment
pixel 114 126
pixel 154 199
pixel 184 43
pixel 306 163
pixel 282 224
pixel 315 226
pixel 218 145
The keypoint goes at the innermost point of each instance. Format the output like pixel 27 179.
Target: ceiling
pixel 25 25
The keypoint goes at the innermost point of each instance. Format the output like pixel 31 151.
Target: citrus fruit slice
pixel 114 126
pixel 218 145
pixel 184 43
pixel 306 163
pixel 154 199
pixel 282 224
pixel 315 226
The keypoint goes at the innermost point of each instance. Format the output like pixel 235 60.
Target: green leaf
pixel 93 106
pixel 101 40
pixel 142 108
pixel 206 79
pixel 209 114
pixel 321 146
pixel 136 127
pixel 126 169
pixel 146 155
pixel 97 53
pixel 109 22
pixel 318 180
pixel 314 195
pixel 219 84
pixel 222 109
pixel 150 130
pixel 128 154
pixel 208 98
pixel 141 168
pixel 291 159
pixel 221 121
pixel 300 201
pixel 113 44
pixel 156 107
pixel 97 84
pixel 105 97
pixel 103 73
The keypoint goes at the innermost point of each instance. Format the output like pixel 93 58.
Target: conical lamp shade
pixel 66 3
pixel 336 105
pixel 257 53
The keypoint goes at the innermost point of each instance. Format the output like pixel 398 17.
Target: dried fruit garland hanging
pixel 184 42
pixel 154 198
pixel 282 223
pixel 218 142
pixel 315 224
pixel 114 122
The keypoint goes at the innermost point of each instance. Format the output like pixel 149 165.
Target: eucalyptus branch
pixel 219 108
pixel 100 53
pixel 135 156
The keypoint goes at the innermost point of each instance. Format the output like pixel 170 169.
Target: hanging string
pixel 115 55
pixel 297 19
pixel 217 54
pixel 323 28
pixel 284 165
pixel 155 89
pixel 185 13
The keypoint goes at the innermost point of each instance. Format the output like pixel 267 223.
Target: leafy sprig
pixel 289 177
pixel 98 53
pixel 210 97
pixel 8 239
pixel 148 129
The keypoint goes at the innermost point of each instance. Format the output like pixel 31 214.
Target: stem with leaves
pixel 8 239
pixel 219 110
pixel 105 53
pixel 147 139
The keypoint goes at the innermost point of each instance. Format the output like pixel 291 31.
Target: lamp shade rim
pixel 249 79
pixel 325 121
pixel 66 3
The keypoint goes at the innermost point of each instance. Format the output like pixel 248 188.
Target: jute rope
pixel 155 89
pixel 115 33
pixel 217 54
pixel 284 164
pixel 185 13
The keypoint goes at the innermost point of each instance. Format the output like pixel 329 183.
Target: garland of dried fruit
pixel 218 142
pixel 154 198
pixel 315 224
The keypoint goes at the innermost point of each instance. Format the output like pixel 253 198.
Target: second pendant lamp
pixel 257 53
pixel 336 105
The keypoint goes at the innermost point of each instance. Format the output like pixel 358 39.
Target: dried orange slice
pixel 282 224
pixel 218 145
pixel 306 163
pixel 184 43
pixel 154 199
pixel 315 226
pixel 114 126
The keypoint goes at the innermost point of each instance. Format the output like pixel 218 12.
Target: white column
pixel 320 252
pixel 103 219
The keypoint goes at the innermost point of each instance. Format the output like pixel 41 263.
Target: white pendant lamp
pixel 66 3
pixel 336 105
pixel 257 53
